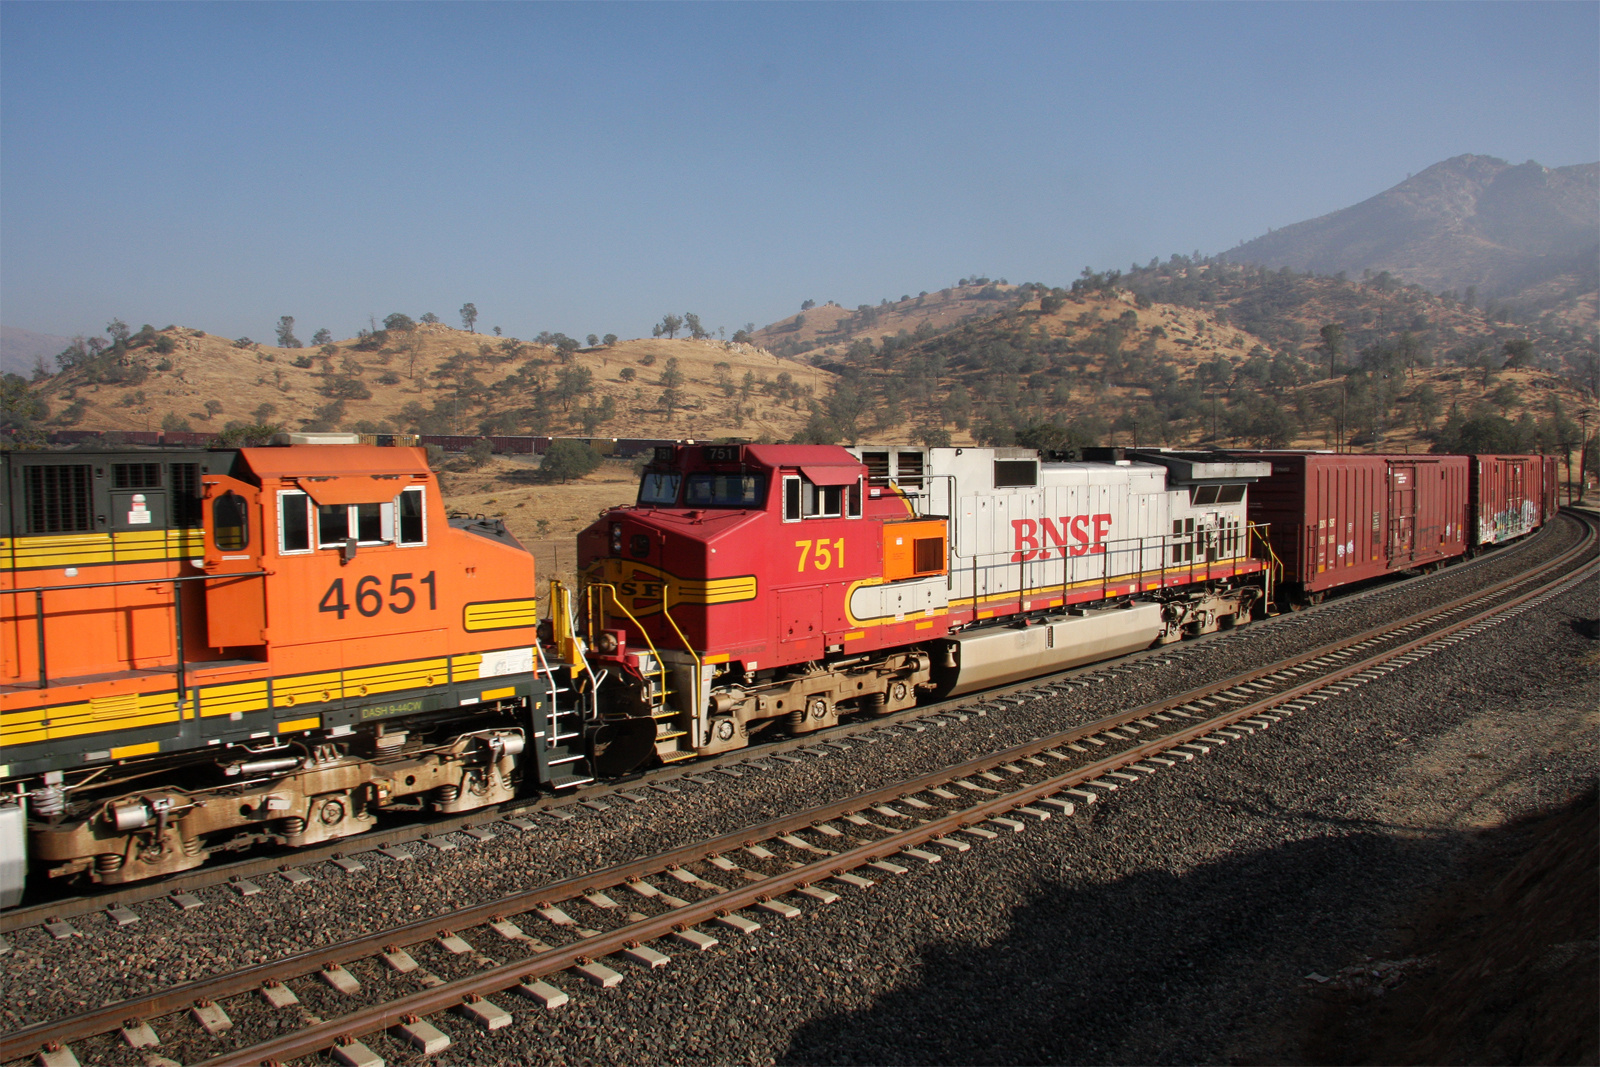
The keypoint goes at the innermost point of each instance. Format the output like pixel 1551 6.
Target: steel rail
pixel 22 1042
pixel 66 908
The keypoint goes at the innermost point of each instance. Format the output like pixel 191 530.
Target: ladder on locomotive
pixel 672 724
pixel 564 761
pixel 563 757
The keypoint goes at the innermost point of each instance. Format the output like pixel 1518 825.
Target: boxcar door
pixel 236 607
pixel 1402 512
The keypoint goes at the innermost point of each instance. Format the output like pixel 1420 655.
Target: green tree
pixel 568 459
pixel 593 340
pixel 429 317
pixel 172 422
pixel 691 322
pixel 1333 345
pixel 213 409
pixel 671 376
pixel 469 317
pixel 286 337
pixel 20 407
pixel 480 452
pixel 322 337
pixel 118 331
pixel 572 381
pixel 609 339
pixel 398 322
pixel 1519 352
pixel 669 325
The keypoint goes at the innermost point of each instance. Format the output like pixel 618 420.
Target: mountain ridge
pixel 1505 230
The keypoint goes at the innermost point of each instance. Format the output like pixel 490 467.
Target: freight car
pixel 1511 496
pixel 1337 519
pixel 759 588
pixel 202 648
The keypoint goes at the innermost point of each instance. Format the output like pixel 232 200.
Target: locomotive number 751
pixel 369 595
pixel 828 554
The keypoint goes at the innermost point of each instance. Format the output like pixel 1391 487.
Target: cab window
pixel 294 523
pixel 230 523
pixel 659 488
pixel 725 490
pixel 412 527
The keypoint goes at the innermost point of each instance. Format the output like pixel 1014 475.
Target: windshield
pixel 725 491
pixel 658 488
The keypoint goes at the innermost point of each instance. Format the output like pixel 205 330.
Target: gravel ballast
pixel 1171 923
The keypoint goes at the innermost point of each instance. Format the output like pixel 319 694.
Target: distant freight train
pixel 610 447
pixel 206 648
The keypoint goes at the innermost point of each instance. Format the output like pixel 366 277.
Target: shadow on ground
pixel 1209 966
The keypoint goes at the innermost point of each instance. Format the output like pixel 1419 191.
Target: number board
pixel 721 453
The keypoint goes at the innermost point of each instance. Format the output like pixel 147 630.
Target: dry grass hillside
pixel 440 380
pixel 829 329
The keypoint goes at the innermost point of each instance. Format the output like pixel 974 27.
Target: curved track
pixel 777 867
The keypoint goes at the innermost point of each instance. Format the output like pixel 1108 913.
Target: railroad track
pixel 686 898
pixel 245 872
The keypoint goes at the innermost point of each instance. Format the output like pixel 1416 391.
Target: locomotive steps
pixel 835 842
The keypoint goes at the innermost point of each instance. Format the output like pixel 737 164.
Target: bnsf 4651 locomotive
pixel 760 587
pixel 206 647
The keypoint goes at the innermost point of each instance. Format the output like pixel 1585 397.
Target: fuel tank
pixel 1001 654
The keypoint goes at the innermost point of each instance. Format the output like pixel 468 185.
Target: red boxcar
pixel 1334 519
pixel 514 446
pixel 1511 496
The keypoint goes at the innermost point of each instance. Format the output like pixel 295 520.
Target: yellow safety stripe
pixel 97 549
pixel 307 689
pixel 237 697
pixel 364 681
pixel 500 615
pixel 101 715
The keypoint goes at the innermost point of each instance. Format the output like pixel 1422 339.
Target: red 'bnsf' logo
pixel 1030 532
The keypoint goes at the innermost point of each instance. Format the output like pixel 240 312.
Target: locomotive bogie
pixel 291 794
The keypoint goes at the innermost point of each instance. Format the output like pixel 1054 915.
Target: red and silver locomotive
pixel 755 588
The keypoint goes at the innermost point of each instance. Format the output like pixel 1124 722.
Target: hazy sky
pixel 588 167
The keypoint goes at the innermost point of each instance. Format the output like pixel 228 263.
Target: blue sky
pixel 589 167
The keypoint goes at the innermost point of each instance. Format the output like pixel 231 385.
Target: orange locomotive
pixel 205 648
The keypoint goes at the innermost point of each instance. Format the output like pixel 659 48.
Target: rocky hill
pixel 1526 235
pixel 829 329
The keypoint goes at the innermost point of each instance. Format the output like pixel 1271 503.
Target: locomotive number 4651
pixel 369 595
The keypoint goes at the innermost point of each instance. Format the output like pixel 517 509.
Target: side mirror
pixel 347 551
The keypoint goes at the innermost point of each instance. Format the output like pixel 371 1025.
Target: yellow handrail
pixel 665 590
pixel 661 665
pixel 1258 530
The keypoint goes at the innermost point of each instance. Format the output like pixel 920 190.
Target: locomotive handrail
pixel 1274 565
pixel 1137 549
pixel 661 664
pixel 39 591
